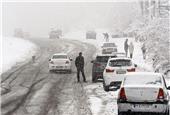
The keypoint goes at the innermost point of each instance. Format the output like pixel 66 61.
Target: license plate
pixel 120 72
pixel 141 106
pixel 59 66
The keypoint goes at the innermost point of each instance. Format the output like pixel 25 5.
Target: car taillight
pixel 122 95
pixel 97 64
pixel 51 62
pixel 67 62
pixel 109 70
pixel 131 70
pixel 160 95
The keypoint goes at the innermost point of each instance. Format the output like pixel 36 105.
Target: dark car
pixel 99 65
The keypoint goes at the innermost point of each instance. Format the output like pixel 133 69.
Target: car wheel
pixel 106 88
pixel 94 79
pixel 50 71
pixel 121 113
pixel 69 71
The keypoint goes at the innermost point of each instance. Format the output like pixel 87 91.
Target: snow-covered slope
pixel 15 50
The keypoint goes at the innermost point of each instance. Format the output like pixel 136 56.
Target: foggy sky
pixel 38 18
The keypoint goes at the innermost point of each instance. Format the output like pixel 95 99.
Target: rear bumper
pixel 113 80
pixel 59 68
pixel 98 75
pixel 143 107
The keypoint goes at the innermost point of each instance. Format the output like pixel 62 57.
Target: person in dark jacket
pixel 126 47
pixel 79 62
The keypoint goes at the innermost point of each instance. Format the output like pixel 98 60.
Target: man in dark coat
pixel 79 62
pixel 126 47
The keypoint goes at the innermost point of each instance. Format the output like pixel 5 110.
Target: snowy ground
pixel 15 50
pixel 101 102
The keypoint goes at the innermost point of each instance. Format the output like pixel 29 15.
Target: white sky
pixel 38 17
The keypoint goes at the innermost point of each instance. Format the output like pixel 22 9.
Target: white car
pixel 143 92
pixel 60 62
pixel 109 48
pixel 115 71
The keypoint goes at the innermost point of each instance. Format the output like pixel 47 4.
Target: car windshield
pixel 60 57
pixel 109 45
pixel 139 80
pixel 120 62
pixel 103 58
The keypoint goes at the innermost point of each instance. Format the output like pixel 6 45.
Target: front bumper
pixel 143 107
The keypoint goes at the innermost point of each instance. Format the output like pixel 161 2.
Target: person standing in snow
pixel 126 47
pixel 144 51
pixel 79 62
pixel 106 36
pixel 131 48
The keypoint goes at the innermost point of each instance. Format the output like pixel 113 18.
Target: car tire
pixel 69 71
pixel 94 79
pixel 50 71
pixel 106 88
pixel 121 113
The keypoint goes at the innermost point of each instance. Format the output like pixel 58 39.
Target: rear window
pixel 103 58
pixel 109 45
pixel 59 57
pixel 143 80
pixel 120 62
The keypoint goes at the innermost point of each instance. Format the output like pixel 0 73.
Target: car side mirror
pixel 49 60
pixel 168 87
pixel 92 61
pixel 135 65
pixel 71 59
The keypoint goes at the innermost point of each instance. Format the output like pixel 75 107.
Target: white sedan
pixel 143 92
pixel 60 62
pixel 115 71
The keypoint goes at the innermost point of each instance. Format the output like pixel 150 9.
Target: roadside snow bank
pixel 15 50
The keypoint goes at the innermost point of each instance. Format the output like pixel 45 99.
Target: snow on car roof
pixel 60 54
pixel 142 79
pixel 119 58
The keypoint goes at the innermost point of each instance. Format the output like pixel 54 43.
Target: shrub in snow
pixel 155 35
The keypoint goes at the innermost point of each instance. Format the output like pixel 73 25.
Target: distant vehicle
pixel 99 65
pixel 55 34
pixel 90 35
pixel 109 48
pixel 115 71
pixel 143 92
pixel 60 62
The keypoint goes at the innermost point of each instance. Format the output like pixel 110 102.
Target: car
pixel 115 71
pixel 60 62
pixel 109 48
pixel 143 92
pixel 90 35
pixel 99 64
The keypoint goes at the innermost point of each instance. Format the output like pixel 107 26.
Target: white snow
pixel 15 50
pixel 101 102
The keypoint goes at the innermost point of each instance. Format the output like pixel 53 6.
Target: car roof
pixel 100 54
pixel 146 74
pixel 60 54
pixel 118 58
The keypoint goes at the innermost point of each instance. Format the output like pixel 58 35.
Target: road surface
pixel 36 91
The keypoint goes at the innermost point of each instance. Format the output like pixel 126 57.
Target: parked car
pixel 90 35
pixel 115 71
pixel 55 34
pixel 60 62
pixel 99 64
pixel 143 92
pixel 109 48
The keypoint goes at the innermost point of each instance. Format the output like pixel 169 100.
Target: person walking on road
pixel 131 48
pixel 79 62
pixel 126 47
pixel 106 36
pixel 144 50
